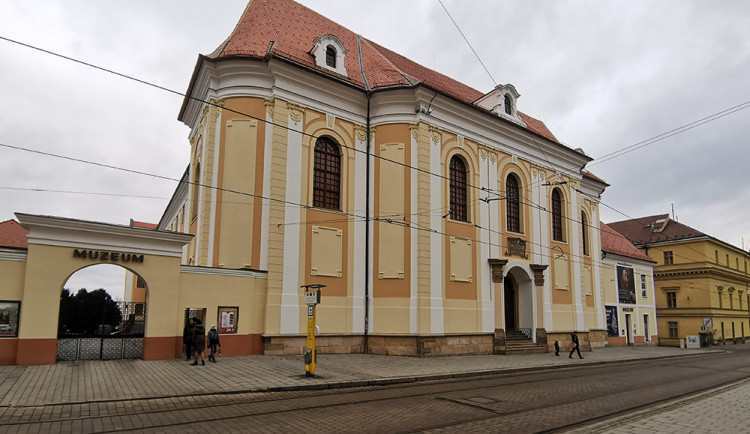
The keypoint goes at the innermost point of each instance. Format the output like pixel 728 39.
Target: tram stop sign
pixel 312 297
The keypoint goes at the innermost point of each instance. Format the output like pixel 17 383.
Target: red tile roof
pixel 286 29
pixel 614 242
pixel 13 235
pixel 653 229
pixel 137 224
pixel 587 174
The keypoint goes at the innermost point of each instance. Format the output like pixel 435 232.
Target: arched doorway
pixel 518 306
pixel 106 323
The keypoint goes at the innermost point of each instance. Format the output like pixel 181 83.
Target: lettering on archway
pixel 104 255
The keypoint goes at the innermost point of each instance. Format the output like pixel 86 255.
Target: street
pixel 537 401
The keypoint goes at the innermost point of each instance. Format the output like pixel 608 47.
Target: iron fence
pixel 110 342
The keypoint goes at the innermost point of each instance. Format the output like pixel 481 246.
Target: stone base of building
pixel 639 341
pixel 588 340
pixel 390 345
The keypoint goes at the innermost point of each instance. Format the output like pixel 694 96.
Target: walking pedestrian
pixel 187 339
pixel 575 347
pixel 557 348
pixel 213 342
pixel 199 341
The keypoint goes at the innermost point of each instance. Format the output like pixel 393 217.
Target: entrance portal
pixel 94 326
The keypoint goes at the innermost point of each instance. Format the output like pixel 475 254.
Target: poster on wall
pixel 9 311
pixel 625 285
pixel 612 327
pixel 228 319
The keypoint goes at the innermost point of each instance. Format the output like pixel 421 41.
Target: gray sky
pixel 602 75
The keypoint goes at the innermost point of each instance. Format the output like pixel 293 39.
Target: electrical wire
pixel 484 189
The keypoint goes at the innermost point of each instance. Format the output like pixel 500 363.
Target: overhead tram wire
pixel 467 42
pixel 172 91
pixel 353 217
pixel 710 259
pixel 128 77
pixel 397 222
pixel 147 83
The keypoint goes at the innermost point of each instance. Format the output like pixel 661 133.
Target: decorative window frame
pixel 319 53
pixel 227 318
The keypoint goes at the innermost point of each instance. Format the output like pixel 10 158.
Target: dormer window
pixel 502 101
pixel 329 53
pixel 331 57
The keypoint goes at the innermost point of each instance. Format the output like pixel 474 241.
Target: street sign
pixel 708 323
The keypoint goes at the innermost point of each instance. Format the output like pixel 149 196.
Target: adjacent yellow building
pixel 701 282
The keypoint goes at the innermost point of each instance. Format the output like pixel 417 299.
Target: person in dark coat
pixel 576 346
pixel 187 339
pixel 199 341
pixel 213 342
pixel 557 348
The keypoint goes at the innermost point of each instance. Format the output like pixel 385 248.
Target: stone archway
pixel 518 294
pixel 57 247
pixel 102 316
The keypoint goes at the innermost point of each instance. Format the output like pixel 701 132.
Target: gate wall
pixel 51 261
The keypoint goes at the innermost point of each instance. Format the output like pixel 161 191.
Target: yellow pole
pixel 310 360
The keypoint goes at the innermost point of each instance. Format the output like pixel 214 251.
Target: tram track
pixel 157 414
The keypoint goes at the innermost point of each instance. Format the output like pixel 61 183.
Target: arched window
pixel 557 215
pixel 585 233
pixel 458 189
pixel 331 56
pixel 327 174
pixel 512 195
pixel 508 105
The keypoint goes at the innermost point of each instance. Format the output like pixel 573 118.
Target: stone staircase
pixel 516 342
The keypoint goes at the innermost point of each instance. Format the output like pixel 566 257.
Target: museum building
pixel 441 220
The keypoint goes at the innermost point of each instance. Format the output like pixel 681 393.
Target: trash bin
pixel 682 343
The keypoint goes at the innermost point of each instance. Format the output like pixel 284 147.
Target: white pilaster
pixel 215 183
pixel 484 217
pixel 575 257
pixel 413 234
pixel 266 204
pixel 541 251
pixel 359 227
pixel 292 230
pixel 601 318
pixel 437 320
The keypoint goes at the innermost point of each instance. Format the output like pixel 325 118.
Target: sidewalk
pixel 78 382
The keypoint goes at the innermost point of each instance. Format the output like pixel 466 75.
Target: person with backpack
pixel 213 342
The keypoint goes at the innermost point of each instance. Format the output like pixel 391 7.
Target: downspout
pixel 367 199
pixel 367 230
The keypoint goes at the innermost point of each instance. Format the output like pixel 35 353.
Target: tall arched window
pixel 557 215
pixel 331 56
pixel 327 174
pixel 585 233
pixel 508 105
pixel 512 195
pixel 458 189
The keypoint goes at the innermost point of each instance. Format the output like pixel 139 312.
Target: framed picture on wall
pixel 228 319
pixel 9 313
